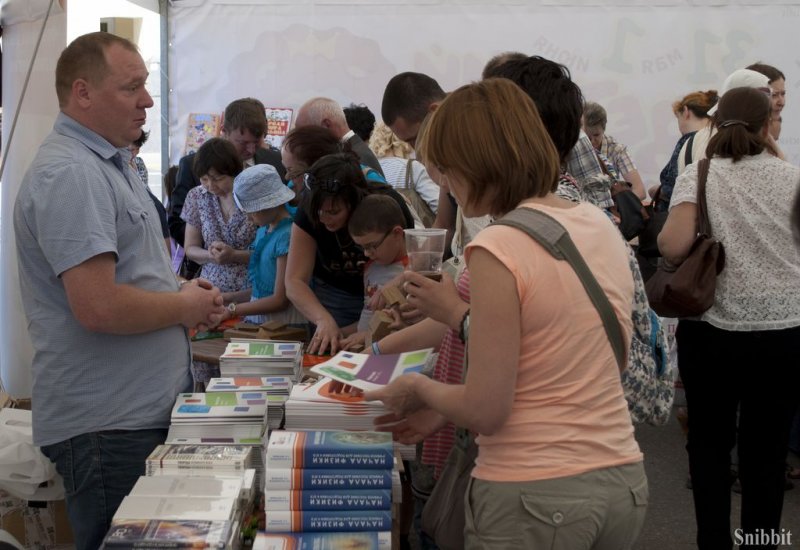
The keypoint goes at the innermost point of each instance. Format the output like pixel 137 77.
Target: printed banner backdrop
pixel 633 57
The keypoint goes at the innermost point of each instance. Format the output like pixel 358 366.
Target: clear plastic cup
pixel 425 249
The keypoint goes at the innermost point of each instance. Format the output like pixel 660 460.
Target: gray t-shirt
pixel 79 199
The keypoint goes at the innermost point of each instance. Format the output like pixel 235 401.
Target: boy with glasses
pixel 376 227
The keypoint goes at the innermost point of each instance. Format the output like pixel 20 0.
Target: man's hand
pixel 203 305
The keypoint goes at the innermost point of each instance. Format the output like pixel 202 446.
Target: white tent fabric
pixel 634 57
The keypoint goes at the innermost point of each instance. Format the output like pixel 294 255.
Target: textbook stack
pixel 175 511
pixel 313 406
pixel 225 418
pixel 329 481
pixel 245 357
pixel 276 388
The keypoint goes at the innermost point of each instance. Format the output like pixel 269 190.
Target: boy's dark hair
pixel 558 99
pixel 409 95
pixel 219 154
pixel 340 178
pixel 360 119
pixel 741 115
pixel 376 214
pixel 767 70
pixel 245 114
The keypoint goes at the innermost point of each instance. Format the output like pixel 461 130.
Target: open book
pixel 372 372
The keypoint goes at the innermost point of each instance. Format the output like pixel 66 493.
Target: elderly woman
pixel 324 272
pixel 557 465
pixel 741 355
pixel 218 234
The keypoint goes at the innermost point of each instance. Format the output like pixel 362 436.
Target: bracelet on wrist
pixel 232 309
pixel 375 349
pixel 463 329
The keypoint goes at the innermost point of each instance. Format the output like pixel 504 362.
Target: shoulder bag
pixel 687 290
pixel 424 212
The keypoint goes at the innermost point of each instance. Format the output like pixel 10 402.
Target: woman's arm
pixel 679 232
pixel 238 296
pixel 299 268
pixel 425 334
pixel 193 245
pixel 484 403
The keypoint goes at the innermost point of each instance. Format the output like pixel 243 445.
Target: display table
pixel 209 350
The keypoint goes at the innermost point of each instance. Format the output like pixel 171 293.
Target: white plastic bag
pixel 23 467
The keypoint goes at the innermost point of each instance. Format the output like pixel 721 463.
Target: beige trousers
pixel 599 510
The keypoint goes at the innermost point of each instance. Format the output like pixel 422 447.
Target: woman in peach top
pixel 558 465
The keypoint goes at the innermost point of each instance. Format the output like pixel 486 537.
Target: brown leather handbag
pixel 687 290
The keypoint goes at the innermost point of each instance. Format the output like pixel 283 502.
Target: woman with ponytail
pixel 740 355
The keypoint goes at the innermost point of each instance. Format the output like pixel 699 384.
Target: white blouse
pixel 749 207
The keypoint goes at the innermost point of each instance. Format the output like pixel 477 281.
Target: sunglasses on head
pixel 295 172
pixel 329 185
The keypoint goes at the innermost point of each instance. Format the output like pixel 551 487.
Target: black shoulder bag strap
pixel 556 240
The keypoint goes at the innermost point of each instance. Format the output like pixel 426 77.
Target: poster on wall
pixel 279 119
pixel 202 127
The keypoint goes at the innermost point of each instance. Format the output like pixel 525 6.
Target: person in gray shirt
pixel 107 317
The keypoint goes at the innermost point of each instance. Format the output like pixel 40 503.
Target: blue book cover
pixel 298 479
pixel 155 533
pixel 315 521
pixel 323 541
pixel 328 499
pixel 330 449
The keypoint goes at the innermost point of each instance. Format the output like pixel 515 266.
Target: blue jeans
pixel 99 469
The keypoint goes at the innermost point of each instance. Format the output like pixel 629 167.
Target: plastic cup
pixel 425 249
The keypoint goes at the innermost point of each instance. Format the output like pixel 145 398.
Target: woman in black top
pixel 324 272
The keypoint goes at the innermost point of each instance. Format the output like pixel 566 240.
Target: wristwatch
pixel 463 331
pixel 232 309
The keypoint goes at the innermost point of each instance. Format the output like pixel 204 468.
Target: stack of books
pixel 245 357
pixel 225 418
pixel 330 481
pixel 313 406
pixel 181 512
pixel 200 459
pixel 276 388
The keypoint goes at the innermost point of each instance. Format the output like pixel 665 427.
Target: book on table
pixel 272 385
pixel 284 479
pixel 177 508
pixel 183 486
pixel 314 406
pixel 240 407
pixel 200 457
pixel 314 521
pixel 372 372
pixel 328 499
pixel 159 533
pixel 381 540
pixel 330 449
pixel 215 433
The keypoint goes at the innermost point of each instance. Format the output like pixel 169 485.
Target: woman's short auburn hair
pixel 490 134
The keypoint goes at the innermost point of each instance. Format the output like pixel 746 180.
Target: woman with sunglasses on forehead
pixel 324 273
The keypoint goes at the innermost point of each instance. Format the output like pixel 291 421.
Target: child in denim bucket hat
pixel 260 193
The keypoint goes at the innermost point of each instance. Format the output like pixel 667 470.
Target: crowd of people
pixel 310 233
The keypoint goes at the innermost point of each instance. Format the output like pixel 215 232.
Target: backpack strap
pixel 687 156
pixel 555 239
pixel 409 175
